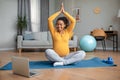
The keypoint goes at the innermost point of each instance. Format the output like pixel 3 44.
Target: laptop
pixel 20 66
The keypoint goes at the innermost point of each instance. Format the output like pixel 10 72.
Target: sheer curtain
pixel 44 15
pixel 36 12
pixel 39 15
pixel 24 10
pixel 35 15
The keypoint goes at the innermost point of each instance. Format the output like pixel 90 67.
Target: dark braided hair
pixel 65 20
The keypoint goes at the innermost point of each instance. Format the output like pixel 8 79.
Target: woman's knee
pixel 82 53
pixel 48 51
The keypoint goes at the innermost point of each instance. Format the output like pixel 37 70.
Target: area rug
pixel 90 63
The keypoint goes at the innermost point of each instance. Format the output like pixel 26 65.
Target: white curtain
pixel 39 15
pixel 36 12
pixel 24 10
pixel 35 15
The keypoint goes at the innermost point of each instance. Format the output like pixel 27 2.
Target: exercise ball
pixel 88 43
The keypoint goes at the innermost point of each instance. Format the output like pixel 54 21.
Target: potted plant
pixel 21 24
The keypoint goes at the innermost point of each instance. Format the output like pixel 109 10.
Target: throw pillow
pixel 28 36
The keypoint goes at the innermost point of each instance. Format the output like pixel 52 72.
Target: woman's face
pixel 60 25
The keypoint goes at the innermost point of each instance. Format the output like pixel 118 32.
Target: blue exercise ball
pixel 88 43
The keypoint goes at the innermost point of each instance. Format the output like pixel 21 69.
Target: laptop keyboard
pixel 32 73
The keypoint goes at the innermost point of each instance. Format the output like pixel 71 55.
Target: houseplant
pixel 21 24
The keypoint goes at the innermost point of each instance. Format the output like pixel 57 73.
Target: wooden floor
pixel 106 73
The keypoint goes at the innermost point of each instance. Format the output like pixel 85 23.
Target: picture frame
pixel 76 14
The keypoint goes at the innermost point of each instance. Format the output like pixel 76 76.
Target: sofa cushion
pixel 42 36
pixel 49 37
pixel 28 36
pixel 35 42
pixel 37 35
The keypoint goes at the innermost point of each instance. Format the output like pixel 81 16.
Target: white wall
pixel 89 20
pixel 8 14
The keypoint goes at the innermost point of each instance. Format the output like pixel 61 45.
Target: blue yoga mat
pixel 91 63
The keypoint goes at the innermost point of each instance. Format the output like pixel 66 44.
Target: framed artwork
pixel 76 14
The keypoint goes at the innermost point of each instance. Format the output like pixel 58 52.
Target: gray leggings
pixel 69 59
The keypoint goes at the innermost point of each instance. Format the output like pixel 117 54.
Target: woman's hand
pixel 62 8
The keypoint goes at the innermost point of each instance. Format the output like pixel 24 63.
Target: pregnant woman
pixel 61 32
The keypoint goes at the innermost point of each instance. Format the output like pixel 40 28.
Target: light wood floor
pixel 106 73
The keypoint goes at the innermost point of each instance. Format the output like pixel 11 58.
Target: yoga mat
pixel 90 63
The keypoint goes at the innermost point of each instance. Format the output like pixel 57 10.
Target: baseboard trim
pixel 6 49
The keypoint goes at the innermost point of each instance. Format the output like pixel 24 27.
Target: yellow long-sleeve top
pixel 61 41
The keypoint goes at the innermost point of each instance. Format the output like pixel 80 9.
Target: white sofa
pixel 40 40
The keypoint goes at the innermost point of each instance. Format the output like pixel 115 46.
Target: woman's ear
pixel 65 26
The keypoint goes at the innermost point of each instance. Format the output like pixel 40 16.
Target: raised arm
pixel 51 19
pixel 71 19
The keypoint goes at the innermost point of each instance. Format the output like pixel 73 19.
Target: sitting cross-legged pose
pixel 61 33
